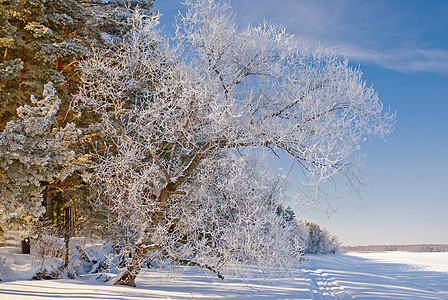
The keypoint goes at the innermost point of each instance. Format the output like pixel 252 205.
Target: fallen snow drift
pixel 16 266
pixel 392 275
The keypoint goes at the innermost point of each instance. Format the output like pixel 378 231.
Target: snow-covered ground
pixel 391 275
pixel 388 275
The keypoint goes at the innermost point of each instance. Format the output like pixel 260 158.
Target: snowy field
pixel 392 275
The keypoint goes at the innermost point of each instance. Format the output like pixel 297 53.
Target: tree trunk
pixel 132 270
pixel 134 267
pixel 67 251
pixel 69 215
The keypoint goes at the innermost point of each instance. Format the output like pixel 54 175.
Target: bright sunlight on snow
pixel 388 275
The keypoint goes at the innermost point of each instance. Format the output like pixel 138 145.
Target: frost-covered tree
pixel 318 240
pixel 188 128
pixel 33 150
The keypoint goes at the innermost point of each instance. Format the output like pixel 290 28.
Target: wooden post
pixel 26 246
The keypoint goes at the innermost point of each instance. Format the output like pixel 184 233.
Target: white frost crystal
pixel 33 150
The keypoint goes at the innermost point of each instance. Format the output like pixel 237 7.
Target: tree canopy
pixel 187 126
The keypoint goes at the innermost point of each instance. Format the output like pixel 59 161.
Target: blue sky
pixel 402 48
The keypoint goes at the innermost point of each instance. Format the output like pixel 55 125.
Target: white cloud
pixel 400 59
pixel 364 31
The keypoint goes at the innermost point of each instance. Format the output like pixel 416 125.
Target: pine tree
pixel 40 42
pixel 33 151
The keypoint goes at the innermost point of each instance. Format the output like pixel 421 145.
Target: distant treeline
pixel 384 248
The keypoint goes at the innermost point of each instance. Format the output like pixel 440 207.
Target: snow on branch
pixel 190 124
pixel 33 150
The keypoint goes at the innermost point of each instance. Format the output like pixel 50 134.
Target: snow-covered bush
pixel 86 255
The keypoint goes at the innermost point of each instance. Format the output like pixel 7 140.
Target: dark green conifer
pixel 41 41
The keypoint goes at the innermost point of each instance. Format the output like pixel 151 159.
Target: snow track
pixel 322 286
pixel 358 277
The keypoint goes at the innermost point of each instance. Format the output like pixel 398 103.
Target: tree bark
pixel 69 228
pixel 129 276
pixel 134 267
